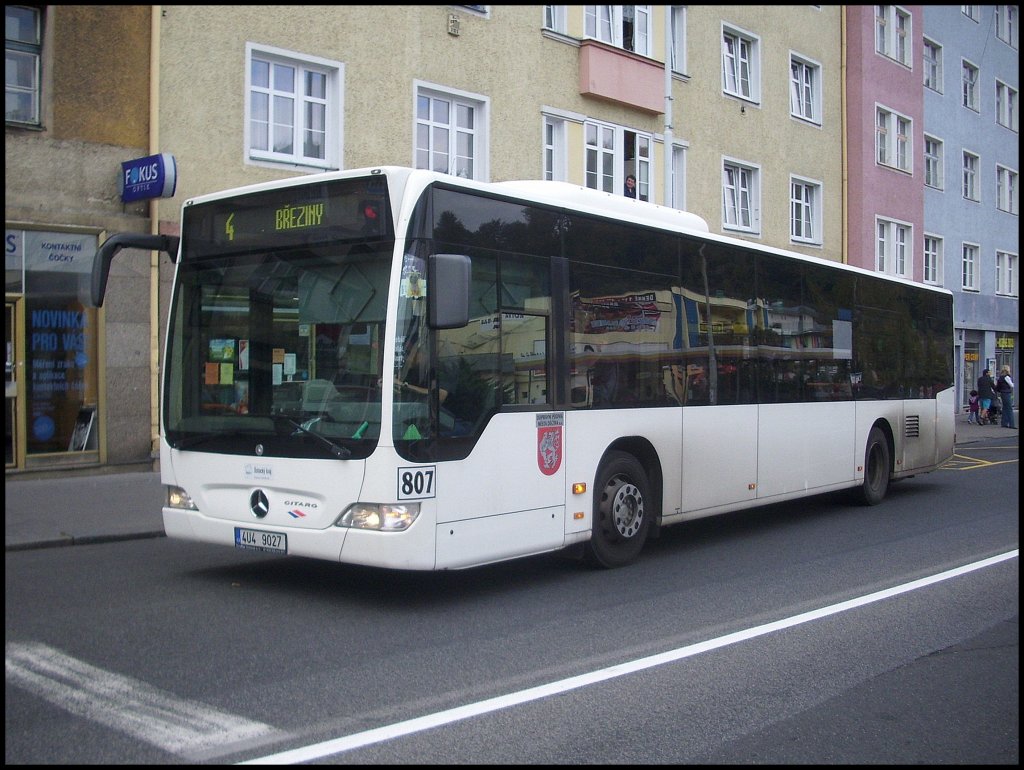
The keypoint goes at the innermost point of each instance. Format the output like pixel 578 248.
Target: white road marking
pixel 128 705
pixel 368 737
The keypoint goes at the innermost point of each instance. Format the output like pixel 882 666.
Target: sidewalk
pixel 47 512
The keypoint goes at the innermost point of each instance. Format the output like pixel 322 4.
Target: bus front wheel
pixel 622 512
pixel 877 467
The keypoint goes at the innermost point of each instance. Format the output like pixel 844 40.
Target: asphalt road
pixel 799 633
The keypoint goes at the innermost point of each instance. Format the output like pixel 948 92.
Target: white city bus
pixel 404 369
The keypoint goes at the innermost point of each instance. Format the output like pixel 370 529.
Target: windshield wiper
pixel 342 453
pixel 202 438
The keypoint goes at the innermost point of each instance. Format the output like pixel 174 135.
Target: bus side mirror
pixel 105 254
pixel 448 291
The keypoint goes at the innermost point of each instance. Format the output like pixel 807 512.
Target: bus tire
pixel 622 512
pixel 877 468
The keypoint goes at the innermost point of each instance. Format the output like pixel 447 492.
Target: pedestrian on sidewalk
pixel 1004 387
pixel 986 392
pixel 973 405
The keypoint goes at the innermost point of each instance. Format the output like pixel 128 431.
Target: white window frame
pixel 606 22
pixel 971 184
pixel 894 139
pixel 443 142
pixel 741 64
pixel 933 245
pixel 1007 190
pixel 805 79
pixel 934 162
pixel 23 81
pixel 805 217
pixel 741 196
pixel 894 247
pixel 678 21
pixel 969 253
pixel 932 55
pixel 331 103
pixel 678 181
pixel 894 33
pixel 1007 274
pixel 1008 25
pixel 970 77
pixel 602 156
pixel 555 18
pixel 972 12
pixel 555 140
pixel 1007 99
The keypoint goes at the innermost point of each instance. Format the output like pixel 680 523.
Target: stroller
pixel 993 412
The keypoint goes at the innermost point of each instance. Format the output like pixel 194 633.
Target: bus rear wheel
pixel 622 512
pixel 877 467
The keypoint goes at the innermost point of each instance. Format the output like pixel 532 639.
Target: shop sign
pixel 155 176
pixel 1004 343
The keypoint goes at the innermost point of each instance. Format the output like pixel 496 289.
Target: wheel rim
pixel 622 508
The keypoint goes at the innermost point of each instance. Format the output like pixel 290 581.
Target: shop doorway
pixel 13 452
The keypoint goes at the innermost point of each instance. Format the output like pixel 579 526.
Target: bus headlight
pixel 385 517
pixel 179 498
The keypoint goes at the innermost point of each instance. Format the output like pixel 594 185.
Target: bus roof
pixel 569 196
pixel 586 199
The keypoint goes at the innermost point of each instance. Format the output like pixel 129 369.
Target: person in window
pixel 630 191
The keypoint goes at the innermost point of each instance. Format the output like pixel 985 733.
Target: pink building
pixel 885 136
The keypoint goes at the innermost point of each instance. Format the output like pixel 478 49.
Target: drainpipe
pixel 668 107
pixel 843 139
pixel 154 228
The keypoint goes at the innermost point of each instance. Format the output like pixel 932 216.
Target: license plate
pixel 256 540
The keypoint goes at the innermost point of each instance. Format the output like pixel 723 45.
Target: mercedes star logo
pixel 259 504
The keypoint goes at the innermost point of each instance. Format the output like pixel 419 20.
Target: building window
pixel 678 185
pixel 23 26
pixel 933 176
pixel 932 259
pixel 893 134
pixel 969 82
pixel 611 153
pixel 892 247
pixel 1007 23
pixel 933 65
pixel 972 12
pixel 294 108
pixel 971 186
pixel 1006 190
pixel 1006 274
pixel 678 17
pixel 554 149
pixel 637 157
pixel 554 18
pixel 969 267
pixel 599 157
pixel 740 64
pixel 449 133
pixel 805 211
pixel 1006 106
pixel 624 26
pixel 804 89
pixel 892 33
pixel 740 197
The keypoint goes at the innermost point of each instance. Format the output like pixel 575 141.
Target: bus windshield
pixel 277 322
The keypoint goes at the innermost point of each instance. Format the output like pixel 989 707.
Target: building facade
pixel 764 121
pixel 972 192
pixel 79 381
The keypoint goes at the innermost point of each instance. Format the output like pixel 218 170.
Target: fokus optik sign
pixel 153 177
